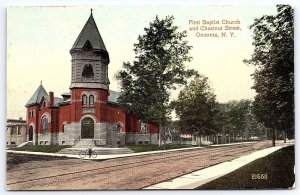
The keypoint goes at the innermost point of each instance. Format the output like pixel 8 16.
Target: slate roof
pixel 113 96
pixel 90 33
pixel 37 97
pixel 57 101
pixel 66 94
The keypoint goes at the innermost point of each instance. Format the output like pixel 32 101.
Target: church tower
pixel 90 59
pixel 89 84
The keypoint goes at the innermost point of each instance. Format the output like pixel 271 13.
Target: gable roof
pixel 91 34
pixel 37 97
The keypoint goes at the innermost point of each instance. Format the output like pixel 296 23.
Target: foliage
pixel 231 117
pixel 237 115
pixel 253 127
pixel 273 58
pixel 155 147
pixel 42 148
pixel 196 107
pixel 159 66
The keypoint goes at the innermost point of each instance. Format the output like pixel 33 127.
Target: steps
pixel 24 144
pixel 85 143
pixel 99 150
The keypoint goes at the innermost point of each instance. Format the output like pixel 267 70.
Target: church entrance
pixel 87 128
pixel 30 133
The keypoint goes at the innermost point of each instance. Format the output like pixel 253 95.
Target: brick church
pixel 89 111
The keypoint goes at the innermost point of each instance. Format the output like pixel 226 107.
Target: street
pixel 122 173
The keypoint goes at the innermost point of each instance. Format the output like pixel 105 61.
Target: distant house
pixel 16 131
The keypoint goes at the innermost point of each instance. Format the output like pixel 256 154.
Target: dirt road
pixel 122 173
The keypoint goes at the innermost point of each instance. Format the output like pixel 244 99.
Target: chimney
pixel 51 98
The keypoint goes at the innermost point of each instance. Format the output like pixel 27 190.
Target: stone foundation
pixel 104 135
pixel 138 138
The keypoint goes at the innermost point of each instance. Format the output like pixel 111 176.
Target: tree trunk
pixel 199 140
pixel 229 138
pixel 284 137
pixel 273 136
pixel 217 139
pixel 159 138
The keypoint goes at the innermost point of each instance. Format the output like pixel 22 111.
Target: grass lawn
pixel 155 147
pixel 44 148
pixel 279 167
pixel 13 159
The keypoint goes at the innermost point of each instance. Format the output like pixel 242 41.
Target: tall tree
pixel 254 128
pixel 232 118
pixel 161 54
pixel 196 107
pixel 273 58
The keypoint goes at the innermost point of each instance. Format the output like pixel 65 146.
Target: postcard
pixel 148 97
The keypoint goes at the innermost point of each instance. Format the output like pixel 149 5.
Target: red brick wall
pixel 33 119
pixel 153 127
pixel 77 108
pixel 74 112
pixel 64 115
pixel 113 114
pixel 55 120
pixel 132 123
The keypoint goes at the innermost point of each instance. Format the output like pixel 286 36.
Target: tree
pixel 161 54
pixel 273 58
pixel 221 120
pixel 254 128
pixel 232 118
pixel 196 107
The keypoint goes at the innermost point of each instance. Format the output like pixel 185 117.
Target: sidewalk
pixel 99 156
pixel 198 178
pixel 112 156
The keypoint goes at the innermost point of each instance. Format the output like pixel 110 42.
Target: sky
pixel 39 40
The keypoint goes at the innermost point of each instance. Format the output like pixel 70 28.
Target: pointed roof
pixel 89 33
pixel 37 96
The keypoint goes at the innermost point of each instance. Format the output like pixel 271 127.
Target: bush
pixel 43 148
pixel 155 147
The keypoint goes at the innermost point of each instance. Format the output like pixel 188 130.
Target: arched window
pixel 84 100
pixel 87 71
pixel 118 128
pixel 44 124
pixel 91 100
pixel 143 127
